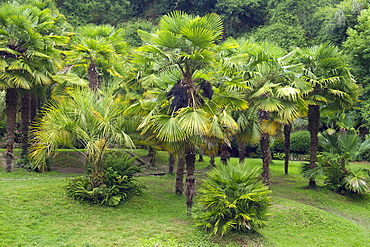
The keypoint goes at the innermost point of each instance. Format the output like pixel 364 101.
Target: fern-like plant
pixel 233 199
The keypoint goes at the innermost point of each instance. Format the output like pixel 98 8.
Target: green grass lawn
pixel 34 211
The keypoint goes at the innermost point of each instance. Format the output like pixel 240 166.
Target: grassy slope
pixel 36 212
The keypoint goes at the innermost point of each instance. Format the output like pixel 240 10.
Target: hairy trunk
pixel 33 108
pixel 201 159
pixel 93 76
pixel 25 114
pixel 171 162
pixel 313 128
pixel 190 160
pixel 287 131
pixel 180 172
pixel 265 148
pixel 151 155
pixel 242 151
pixel 266 160
pixel 11 100
pixel 225 154
pixel 212 161
pixel 190 179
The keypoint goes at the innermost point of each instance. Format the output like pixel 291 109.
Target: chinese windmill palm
pixel 98 53
pixel 184 48
pixel 272 91
pixel 30 38
pixel 83 118
pixel 333 87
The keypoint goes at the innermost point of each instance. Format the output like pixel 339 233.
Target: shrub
pixel 232 198
pixel 338 175
pixel 299 143
pixel 113 186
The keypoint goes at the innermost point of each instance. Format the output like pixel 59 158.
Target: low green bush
pixel 232 198
pixel 111 187
pixel 299 143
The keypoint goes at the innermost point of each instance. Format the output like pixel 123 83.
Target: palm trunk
pixel 11 100
pixel 93 76
pixel 171 162
pixel 265 148
pixel 33 108
pixel 190 179
pixel 180 172
pixel 25 114
pixel 212 161
pixel 151 155
pixel 242 152
pixel 201 158
pixel 190 161
pixel 313 128
pixel 287 131
pixel 266 157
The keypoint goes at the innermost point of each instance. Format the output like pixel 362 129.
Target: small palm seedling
pixel 232 198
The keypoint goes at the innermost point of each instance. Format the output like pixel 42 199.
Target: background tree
pixel 98 12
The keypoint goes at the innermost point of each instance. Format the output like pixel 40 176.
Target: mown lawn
pixel 34 211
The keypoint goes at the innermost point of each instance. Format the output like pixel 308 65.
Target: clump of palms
pixel 84 118
pixel 334 164
pixel 114 185
pixel 233 199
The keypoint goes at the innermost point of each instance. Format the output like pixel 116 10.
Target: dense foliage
pixel 334 164
pixel 111 187
pixel 232 199
pixel 299 143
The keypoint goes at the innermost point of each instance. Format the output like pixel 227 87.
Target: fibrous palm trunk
pixel 93 76
pixel 265 148
pixel 266 157
pixel 33 108
pixel 190 179
pixel 171 162
pixel 180 172
pixel 25 115
pixel 11 100
pixel 313 127
pixel 242 152
pixel 151 155
pixel 287 131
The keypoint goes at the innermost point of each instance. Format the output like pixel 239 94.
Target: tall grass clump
pixel 232 198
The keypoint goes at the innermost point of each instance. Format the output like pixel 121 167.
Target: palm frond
pixel 194 121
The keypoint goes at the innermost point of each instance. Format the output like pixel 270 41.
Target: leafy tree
pixel 130 28
pixel 333 88
pixel 98 12
pixel 241 15
pixel 284 35
pixel 29 38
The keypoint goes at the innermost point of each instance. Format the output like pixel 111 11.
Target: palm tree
pixel 273 92
pixel 82 117
pixel 333 88
pixel 28 55
pixel 182 52
pixel 97 51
